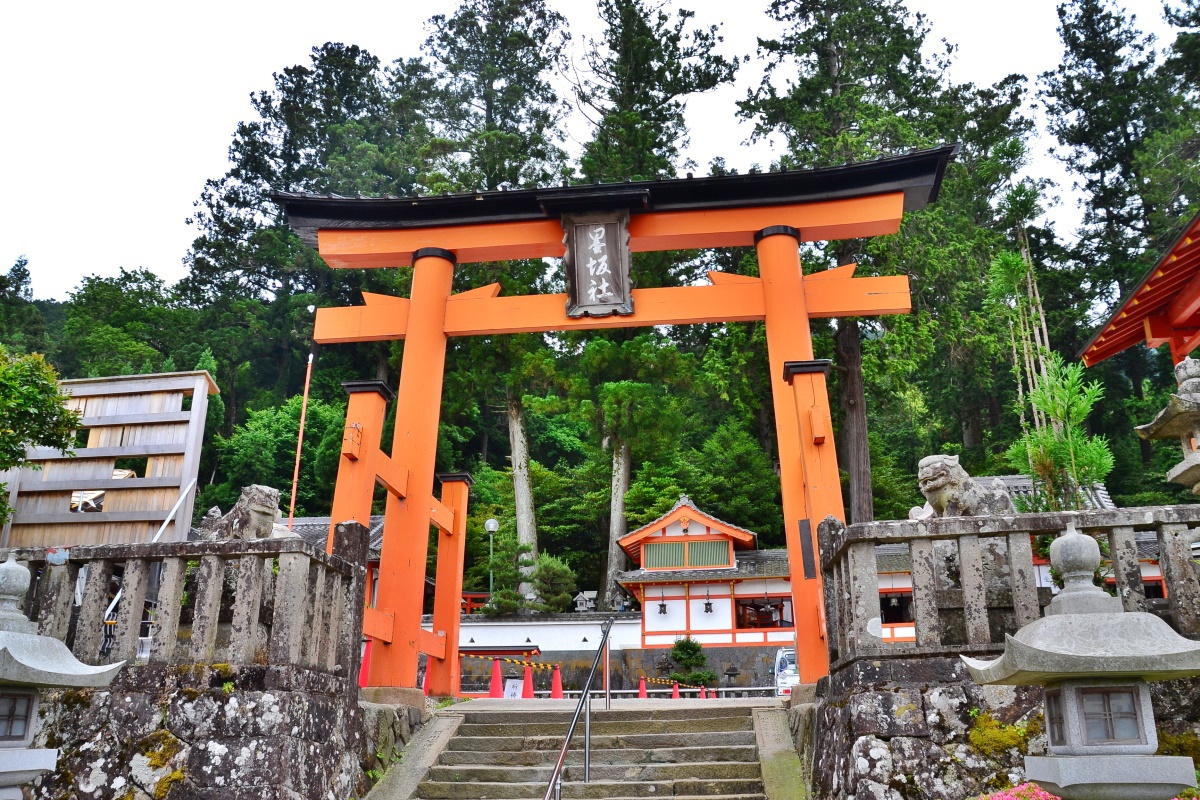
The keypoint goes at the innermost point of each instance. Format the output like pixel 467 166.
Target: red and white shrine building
pixel 702 577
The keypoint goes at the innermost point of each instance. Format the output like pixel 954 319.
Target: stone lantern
pixel 1181 420
pixel 1094 660
pixel 29 662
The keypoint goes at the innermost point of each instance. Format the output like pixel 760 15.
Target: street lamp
pixel 491 526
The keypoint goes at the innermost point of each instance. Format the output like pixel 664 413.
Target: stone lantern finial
pixel 14 585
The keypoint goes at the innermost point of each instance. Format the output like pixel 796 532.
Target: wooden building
pixel 701 577
pixel 132 475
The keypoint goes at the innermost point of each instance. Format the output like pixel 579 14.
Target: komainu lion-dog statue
pixel 950 492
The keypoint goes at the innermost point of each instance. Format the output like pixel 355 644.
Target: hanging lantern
pixel 662 604
pixel 707 602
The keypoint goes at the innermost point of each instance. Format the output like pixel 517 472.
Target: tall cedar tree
pixel 327 126
pixel 861 90
pixel 1101 103
pixel 640 75
pixel 497 128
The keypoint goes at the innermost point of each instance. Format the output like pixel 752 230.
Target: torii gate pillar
pixel 808 471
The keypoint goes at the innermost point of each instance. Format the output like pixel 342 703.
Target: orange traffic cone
pixel 496 687
pixel 703 694
pixel 527 689
pixel 366 665
pixel 642 687
pixel 675 690
pixel 556 684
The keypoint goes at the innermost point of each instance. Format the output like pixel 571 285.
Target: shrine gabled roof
pixel 684 507
pixel 1169 290
pixel 918 175
pixel 749 565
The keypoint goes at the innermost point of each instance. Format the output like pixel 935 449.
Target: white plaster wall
pixel 713 638
pixel 549 635
pixel 895 580
pixel 720 618
pixel 754 586
pixel 674 620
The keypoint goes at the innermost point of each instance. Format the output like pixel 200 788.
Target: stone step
pixel 694 725
pixel 598 713
pixel 646 741
pixel 707 770
pixel 597 789
pixel 666 755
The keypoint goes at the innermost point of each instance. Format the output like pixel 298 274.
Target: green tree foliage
pixel 641 74
pixel 22 326
pixel 263 451
pixel 553 584
pixel 33 413
pixel 688 654
pixel 123 325
pixel 1101 102
pixel 508 560
pixel 496 110
pixel 605 430
pixel 1063 459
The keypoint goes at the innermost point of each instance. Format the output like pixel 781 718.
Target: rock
pixel 898 713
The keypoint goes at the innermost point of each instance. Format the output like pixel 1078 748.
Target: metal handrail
pixel 554 788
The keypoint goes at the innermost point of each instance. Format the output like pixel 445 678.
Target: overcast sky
pixel 114 114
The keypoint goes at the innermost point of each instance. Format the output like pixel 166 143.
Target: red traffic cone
pixel 703 694
pixel 675 690
pixel 527 689
pixel 642 688
pixel 366 665
pixel 714 694
pixel 496 687
pixel 556 684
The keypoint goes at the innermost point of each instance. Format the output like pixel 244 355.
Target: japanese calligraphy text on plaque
pixel 597 264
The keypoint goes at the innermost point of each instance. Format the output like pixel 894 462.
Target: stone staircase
pixel 687 751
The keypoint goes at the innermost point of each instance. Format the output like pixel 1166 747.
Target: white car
pixel 786 674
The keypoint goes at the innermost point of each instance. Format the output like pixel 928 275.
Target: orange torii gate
pixel 595 228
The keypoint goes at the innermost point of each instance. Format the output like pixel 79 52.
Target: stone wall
pixel 903 729
pixel 217 733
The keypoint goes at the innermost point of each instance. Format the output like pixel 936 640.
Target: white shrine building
pixel 701 577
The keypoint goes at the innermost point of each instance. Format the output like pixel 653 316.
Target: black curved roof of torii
pixel 918 175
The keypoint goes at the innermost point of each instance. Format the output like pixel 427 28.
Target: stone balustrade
pixel 974 579
pixel 270 602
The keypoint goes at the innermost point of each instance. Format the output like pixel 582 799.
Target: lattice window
pixel 14 715
pixel 1054 716
pixel 708 553
pixel 663 554
pixel 1110 715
